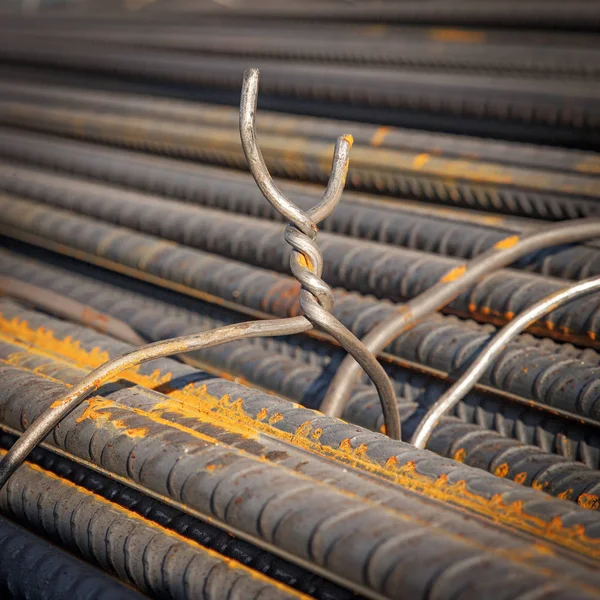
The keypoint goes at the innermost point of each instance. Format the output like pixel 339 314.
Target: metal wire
pixel 306 263
pixel 465 383
pixel 449 287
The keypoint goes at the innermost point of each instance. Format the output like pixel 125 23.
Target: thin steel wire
pixel 306 263
pixel 443 292
pixel 470 377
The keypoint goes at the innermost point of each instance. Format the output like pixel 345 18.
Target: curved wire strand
pixel 316 299
pixel 435 298
pixel 470 377
pixel 306 260
pixel 59 409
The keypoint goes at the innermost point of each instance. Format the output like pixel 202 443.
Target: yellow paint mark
pixel 457 36
pixel 454 274
pixel 379 136
pixel 460 454
pixel 501 470
pixel 507 242
pixel 420 160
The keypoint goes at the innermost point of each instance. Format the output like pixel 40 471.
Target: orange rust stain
pixel 391 462
pixel 379 136
pixel 361 449
pixel 349 139
pixel 509 315
pixel 460 454
pixel 304 261
pixel 420 160
pixel 589 501
pixel 454 274
pixel 521 477
pixel 539 485
pixel 275 418
pixel 96 410
pixel 460 36
pixel 501 470
pixel 71 349
pixel 566 495
pixel 262 414
pixel 507 242
pixel 345 445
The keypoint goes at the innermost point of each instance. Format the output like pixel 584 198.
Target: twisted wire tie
pixel 306 263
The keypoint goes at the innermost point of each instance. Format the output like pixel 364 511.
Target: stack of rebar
pixel 128 216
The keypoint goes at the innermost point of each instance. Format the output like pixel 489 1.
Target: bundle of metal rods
pixel 464 265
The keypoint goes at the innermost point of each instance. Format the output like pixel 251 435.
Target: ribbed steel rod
pixel 443 292
pixel 33 569
pixel 221 232
pixel 300 369
pixel 18 85
pixel 528 465
pixel 493 299
pixel 187 468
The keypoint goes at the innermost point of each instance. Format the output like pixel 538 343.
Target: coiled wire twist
pixel 306 262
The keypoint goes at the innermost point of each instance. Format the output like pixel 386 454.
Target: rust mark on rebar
pixel 521 477
pixel 379 136
pixel 589 501
pixel 507 242
pixel 460 36
pixel 454 274
pixel 501 470
pixel 566 494
pixel 420 160
pixel 459 455
pixel 71 349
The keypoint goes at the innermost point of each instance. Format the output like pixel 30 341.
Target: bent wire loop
pixel 489 354
pixel 306 262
